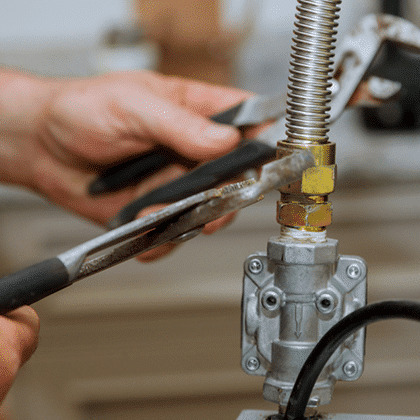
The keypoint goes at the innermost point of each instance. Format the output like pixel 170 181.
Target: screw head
pixel 354 271
pixel 252 364
pixel 350 369
pixel 255 266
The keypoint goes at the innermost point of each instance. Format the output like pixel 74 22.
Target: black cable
pixel 333 339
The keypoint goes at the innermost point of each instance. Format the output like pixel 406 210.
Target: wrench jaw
pixel 358 51
pixel 76 260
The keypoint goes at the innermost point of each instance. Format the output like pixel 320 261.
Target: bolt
pixel 252 364
pixel 271 300
pixel 354 271
pixel 255 266
pixel 350 369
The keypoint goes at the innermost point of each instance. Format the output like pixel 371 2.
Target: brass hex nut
pixel 319 180
pixel 305 215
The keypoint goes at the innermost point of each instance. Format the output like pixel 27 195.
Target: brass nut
pixel 305 215
pixel 319 180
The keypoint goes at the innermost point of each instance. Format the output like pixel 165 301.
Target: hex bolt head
pixel 354 271
pixel 350 369
pixel 255 266
pixel 252 364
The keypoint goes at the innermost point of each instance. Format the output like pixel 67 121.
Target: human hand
pixel 86 125
pixel 18 340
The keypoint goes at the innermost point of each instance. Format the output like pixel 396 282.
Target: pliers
pixel 351 87
pixel 177 222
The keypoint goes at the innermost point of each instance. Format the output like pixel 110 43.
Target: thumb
pixel 189 134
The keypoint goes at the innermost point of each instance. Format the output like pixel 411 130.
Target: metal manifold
pixel 291 297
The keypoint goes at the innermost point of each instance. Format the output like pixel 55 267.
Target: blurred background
pixel 162 340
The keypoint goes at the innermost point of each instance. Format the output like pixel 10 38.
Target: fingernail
pixel 215 133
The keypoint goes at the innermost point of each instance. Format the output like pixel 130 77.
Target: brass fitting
pixel 304 215
pixel 319 180
pixel 304 204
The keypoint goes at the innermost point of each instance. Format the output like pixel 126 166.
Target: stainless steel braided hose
pixel 310 72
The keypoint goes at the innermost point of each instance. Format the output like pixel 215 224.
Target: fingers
pixel 208 100
pixel 68 187
pixel 27 325
pixel 200 97
pixel 217 224
pixel 82 127
pixel 167 249
pixel 19 331
pixel 177 127
pixel 107 119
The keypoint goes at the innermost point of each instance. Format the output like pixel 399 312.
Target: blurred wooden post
pixel 192 40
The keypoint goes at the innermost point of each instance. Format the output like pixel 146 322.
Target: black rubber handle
pixel 32 284
pixel 130 172
pixel 250 154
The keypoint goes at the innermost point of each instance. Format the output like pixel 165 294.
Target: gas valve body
pixel 291 297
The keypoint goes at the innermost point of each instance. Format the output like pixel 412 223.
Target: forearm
pixel 23 99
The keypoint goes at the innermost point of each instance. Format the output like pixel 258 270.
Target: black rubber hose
pixel 333 339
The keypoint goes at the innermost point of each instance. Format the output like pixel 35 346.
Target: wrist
pixel 23 100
